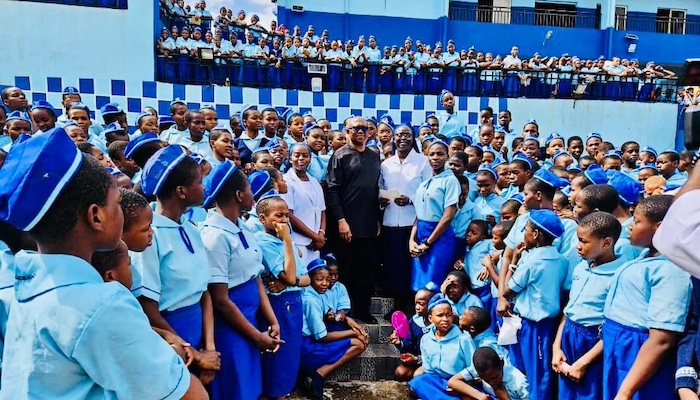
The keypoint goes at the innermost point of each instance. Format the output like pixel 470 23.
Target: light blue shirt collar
pixel 36 273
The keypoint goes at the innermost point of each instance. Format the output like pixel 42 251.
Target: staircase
pixel 381 358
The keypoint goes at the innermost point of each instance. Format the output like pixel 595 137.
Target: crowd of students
pixel 248 54
pixel 529 270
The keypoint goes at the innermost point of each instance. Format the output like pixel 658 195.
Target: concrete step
pixel 381 306
pixel 360 390
pixel 378 362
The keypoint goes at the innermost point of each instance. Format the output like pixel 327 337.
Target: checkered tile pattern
pixel 336 107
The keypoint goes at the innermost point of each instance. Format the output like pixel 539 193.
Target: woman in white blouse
pixel 400 177
pixel 305 199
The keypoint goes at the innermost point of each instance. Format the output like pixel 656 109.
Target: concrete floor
pixel 356 390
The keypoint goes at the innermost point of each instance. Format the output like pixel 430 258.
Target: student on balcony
pixel 512 62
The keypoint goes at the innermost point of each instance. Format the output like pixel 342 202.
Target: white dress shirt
pixel 404 177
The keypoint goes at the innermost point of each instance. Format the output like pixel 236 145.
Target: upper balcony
pixel 666 21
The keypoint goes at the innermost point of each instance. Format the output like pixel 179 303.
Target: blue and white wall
pixel 108 55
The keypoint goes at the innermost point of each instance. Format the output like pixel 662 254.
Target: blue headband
pixel 490 170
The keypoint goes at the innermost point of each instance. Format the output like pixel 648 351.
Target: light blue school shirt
pixel 312 305
pixel 473 190
pixel 171 275
pixel 489 205
pixel 625 233
pixel 289 51
pixel 451 125
pixel 472 262
pixel 202 147
pixel 373 54
pixel 538 279
pixel 497 267
pixel 273 258
pixel 625 250
pixel 336 298
pixel 565 244
pixel 213 161
pixel 463 217
pixel 649 293
pixel 318 166
pixel 232 250
pixel 467 300
pixel 73 336
pixel 486 339
pixel 515 383
pixel 98 141
pixel 632 173
pixel 7 292
pixel 253 222
pixel 676 180
pixel 173 136
pixel 449 356
pixel 589 288
pixel 435 195
pixel 510 191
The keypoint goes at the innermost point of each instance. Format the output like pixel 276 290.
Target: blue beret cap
pixel 526 159
pixel 19 115
pixel 216 180
pixel 45 105
pixel 650 150
pixel 159 167
pixel 113 127
pixel 613 153
pixel 111 109
pixel 574 167
pixel 650 166
pixel 548 221
pixel 141 116
pixel 593 135
pixel 489 170
pixel 309 126
pixel 628 189
pixel 553 136
pixel 549 178
pixel 70 90
pixel 596 175
pixel 316 264
pixel 34 174
pixel 517 197
pixel 178 101
pixel 258 180
pixel 138 142
pixel 560 153
pixel 533 138
pixel 437 300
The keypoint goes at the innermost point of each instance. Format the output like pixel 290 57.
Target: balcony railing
pixel 589 19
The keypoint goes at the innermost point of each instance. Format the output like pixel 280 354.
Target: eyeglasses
pixel 403 134
pixel 358 129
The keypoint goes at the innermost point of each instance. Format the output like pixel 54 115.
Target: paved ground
pixel 385 390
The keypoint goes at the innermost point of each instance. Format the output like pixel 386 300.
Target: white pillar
pixel 607 18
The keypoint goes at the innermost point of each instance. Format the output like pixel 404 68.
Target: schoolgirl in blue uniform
pixel 409 346
pixel 455 289
pixel 645 312
pixel 237 291
pixel 667 163
pixel 336 300
pixel 521 170
pixel 445 352
pixel 479 247
pixel 432 237
pixel 285 275
pixel 316 143
pixel 295 129
pixel 63 306
pixel 451 124
pixel 487 205
pixel 463 217
pixel 173 286
pixel 577 353
pixel 252 138
pixel 535 280
pixel 322 351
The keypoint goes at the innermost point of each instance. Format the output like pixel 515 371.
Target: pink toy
pixel 400 324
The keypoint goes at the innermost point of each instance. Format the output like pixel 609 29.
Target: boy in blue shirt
pixel 645 313
pixel 499 379
pixel 577 350
pixel 63 306
pixel 535 277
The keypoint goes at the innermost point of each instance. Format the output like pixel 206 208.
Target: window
pixel 621 18
pixel 484 11
pixel 670 20
pixel 119 4
pixel 555 14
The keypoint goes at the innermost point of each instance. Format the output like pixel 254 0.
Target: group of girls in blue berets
pixel 529 276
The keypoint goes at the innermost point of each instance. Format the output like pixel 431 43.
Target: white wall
pixel 424 9
pixel 76 42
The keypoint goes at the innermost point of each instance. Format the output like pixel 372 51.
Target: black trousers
pixel 356 261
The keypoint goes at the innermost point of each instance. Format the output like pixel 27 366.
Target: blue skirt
pixel 532 355
pixel 315 354
pixel 577 340
pixel 435 264
pixel 484 294
pixel 430 386
pixel 238 377
pixel 187 323
pixel 621 345
pixel 280 370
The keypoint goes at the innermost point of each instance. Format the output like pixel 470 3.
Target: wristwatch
pixel 425 242
pixel 296 282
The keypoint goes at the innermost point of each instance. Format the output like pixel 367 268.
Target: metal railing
pixel 369 79
pixel 460 11
pixel 651 23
